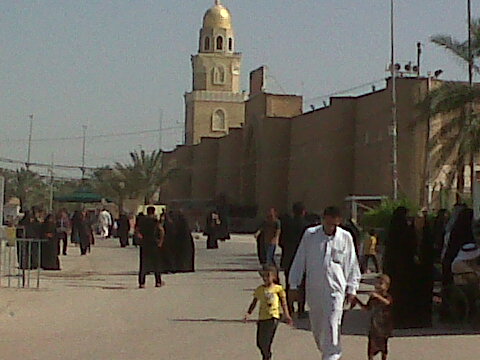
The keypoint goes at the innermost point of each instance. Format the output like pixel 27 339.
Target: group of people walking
pixel 166 245
pixel 52 233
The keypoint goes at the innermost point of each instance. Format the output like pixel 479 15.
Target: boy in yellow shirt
pixel 272 299
pixel 370 251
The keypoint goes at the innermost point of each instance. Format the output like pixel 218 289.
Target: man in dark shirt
pixel 151 236
pixel 292 230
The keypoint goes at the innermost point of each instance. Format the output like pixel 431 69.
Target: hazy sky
pixel 117 66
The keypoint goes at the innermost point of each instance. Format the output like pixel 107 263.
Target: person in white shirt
pixel 327 255
pixel 105 221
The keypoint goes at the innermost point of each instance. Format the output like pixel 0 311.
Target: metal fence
pixel 18 259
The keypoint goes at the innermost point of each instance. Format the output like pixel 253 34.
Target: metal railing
pixel 18 258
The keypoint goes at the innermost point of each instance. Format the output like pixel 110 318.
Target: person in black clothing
pixel 138 220
pixel 400 265
pixel 123 229
pixel 62 228
pixel 84 231
pixel 28 253
pixel 184 249
pixel 50 248
pixel 353 229
pixel 151 237
pixel 461 234
pixel 213 230
pixel 424 278
pixel 439 232
pixel 292 230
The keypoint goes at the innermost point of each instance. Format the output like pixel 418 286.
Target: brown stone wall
pixel 267 150
pixel 272 164
pixel 229 166
pixel 204 169
pixel 177 168
pixel 373 143
pixel 321 161
pixel 284 105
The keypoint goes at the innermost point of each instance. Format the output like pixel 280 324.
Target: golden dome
pixel 217 16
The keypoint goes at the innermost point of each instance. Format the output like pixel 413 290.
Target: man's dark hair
pixel 150 210
pixel 332 211
pixel 298 208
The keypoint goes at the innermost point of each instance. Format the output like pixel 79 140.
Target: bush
pixel 379 217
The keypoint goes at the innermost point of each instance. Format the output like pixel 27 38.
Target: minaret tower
pixel 216 102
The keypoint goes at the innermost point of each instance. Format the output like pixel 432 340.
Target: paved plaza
pixel 93 310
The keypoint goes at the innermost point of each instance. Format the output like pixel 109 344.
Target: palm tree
pixel 457 141
pixel 459 49
pixel 145 172
pixel 28 186
pixel 113 183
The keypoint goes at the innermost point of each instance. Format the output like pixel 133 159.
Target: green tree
pixel 458 140
pixel 144 174
pixel 140 178
pixel 29 187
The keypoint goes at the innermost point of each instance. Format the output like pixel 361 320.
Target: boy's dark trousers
pixel 365 262
pixel 265 332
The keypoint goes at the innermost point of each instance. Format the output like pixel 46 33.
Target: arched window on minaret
pixel 230 44
pixel 206 45
pixel 219 43
pixel 219 120
pixel 219 75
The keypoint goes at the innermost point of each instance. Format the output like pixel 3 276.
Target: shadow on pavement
pixel 230 321
pixel 228 270
pixel 356 322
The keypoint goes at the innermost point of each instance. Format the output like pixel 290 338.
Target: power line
pixel 41 165
pixel 344 91
pixel 96 136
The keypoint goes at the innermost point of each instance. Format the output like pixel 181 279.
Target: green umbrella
pixel 80 196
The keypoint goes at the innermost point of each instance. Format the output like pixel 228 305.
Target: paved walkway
pixel 92 310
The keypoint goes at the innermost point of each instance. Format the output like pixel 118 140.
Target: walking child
pixel 370 251
pixel 381 324
pixel 272 299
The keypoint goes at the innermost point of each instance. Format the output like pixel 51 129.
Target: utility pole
pixel 27 165
pixel 84 128
pixel 394 124
pixel 470 54
pixel 160 130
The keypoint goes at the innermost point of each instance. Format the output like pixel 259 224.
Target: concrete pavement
pixel 93 310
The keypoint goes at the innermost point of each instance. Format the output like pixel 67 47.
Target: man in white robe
pixel 327 255
pixel 105 221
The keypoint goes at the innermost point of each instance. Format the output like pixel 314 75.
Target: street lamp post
pixel 394 124
pixel 84 128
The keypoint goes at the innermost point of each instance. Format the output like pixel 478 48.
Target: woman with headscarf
pixel 123 229
pixel 85 234
pixel 185 247
pixel 400 265
pixel 213 230
pixel 461 234
pixel 49 245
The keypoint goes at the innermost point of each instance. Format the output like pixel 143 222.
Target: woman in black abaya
pixel 400 265
pixel 49 245
pixel 185 248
